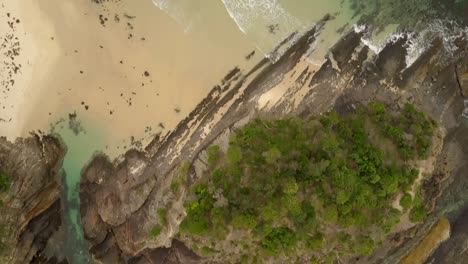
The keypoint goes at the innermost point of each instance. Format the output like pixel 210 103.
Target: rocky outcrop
pixel 120 201
pixel 31 208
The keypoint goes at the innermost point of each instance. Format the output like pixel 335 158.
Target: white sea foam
pixel 360 28
pixel 266 22
pixel 418 43
pixel 447 30
pixel 246 13
pixel 378 45
pixel 366 40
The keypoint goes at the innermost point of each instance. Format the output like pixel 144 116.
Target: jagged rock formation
pixel 31 209
pixel 120 201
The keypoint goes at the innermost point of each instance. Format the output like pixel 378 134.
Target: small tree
pixel 213 155
pixel 5 183
pixel 406 201
pixel 155 232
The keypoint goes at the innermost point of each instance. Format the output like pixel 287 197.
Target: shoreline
pixel 102 62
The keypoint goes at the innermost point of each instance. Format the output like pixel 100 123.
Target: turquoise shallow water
pixel 80 149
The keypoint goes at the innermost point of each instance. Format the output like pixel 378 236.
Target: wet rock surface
pixel 31 210
pixel 120 200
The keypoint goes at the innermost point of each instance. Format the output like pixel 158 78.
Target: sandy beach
pixel 129 69
pixel 124 67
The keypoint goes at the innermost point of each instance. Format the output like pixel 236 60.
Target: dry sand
pixel 123 66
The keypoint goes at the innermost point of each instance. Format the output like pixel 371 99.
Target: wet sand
pixel 124 66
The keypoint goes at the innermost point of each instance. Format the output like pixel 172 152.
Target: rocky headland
pixel 31 209
pixel 122 201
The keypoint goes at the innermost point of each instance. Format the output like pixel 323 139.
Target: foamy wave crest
pixel 447 30
pixel 418 43
pixel 366 40
pixel 266 22
pixel 246 13
pixel 372 44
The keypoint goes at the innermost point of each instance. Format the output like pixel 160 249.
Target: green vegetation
pixel 213 155
pixel 155 232
pixel 180 178
pixel 461 3
pixel 406 201
pixel 279 239
pixel 5 182
pixel 418 212
pixel 205 251
pixel 175 187
pixel 411 131
pixel 298 187
pixel 163 215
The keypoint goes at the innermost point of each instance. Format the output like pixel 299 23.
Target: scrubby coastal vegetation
pixel 5 182
pixel 313 189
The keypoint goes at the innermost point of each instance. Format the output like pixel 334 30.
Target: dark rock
pixel 31 211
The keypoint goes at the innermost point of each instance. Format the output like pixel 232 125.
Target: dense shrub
pixel 293 180
pixel 5 183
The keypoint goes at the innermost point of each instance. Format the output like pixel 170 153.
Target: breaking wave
pixel 266 22
pixel 417 43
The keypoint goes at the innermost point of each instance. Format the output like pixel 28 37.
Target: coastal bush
pixel 180 178
pixel 163 215
pixel 206 251
pixel 213 155
pixel 411 130
pixel 365 246
pixel 297 182
pixel 281 238
pixel 5 183
pixel 418 212
pixel 155 231
pixel 175 187
pixel 406 201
